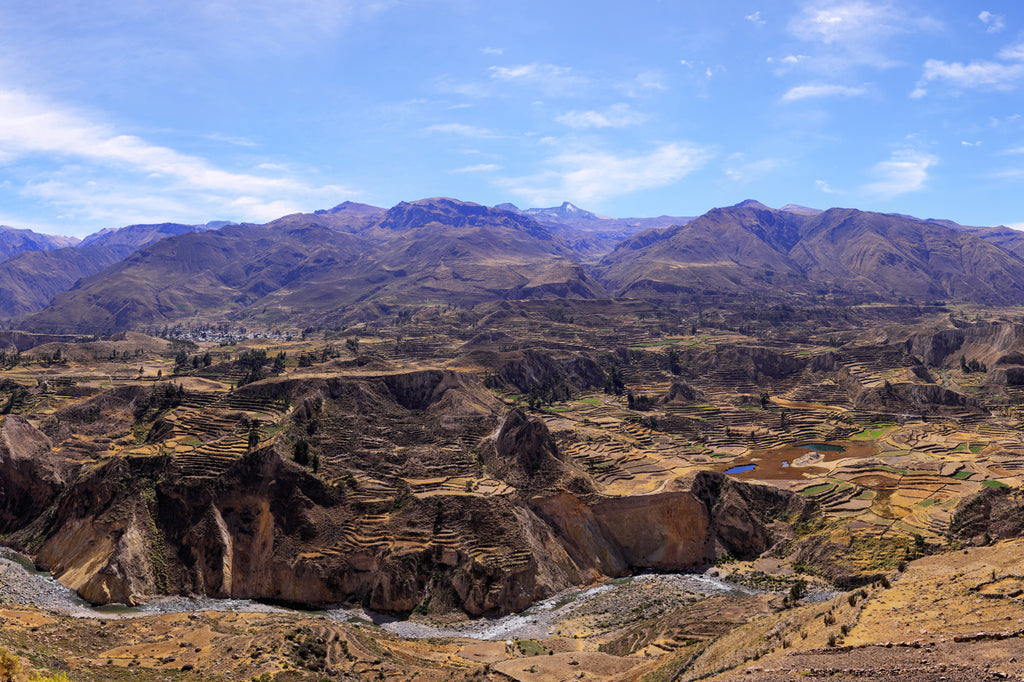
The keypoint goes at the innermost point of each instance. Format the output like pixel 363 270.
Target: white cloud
pixel 263 19
pixel 815 91
pixel 31 127
pixel 824 187
pixel 739 169
pixel 755 18
pixel 965 143
pixel 1014 151
pixel 1013 120
pixel 1013 53
pixel 587 176
pixel 1008 174
pixel 994 23
pixel 905 171
pixel 982 75
pixel 979 74
pixel 645 81
pixel 794 58
pixel 492 50
pixel 462 130
pixel 552 79
pixel 854 32
pixel 615 116
pixel 231 139
pixel 478 168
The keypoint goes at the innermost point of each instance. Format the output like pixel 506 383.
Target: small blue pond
pixel 740 469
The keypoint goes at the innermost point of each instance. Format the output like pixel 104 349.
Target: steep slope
pixel 726 249
pixel 298 268
pixel 846 252
pixel 894 256
pixel 472 253
pixel 195 273
pixel 425 494
pixel 1004 237
pixel 347 216
pixel 440 250
pixel 14 241
pixel 137 236
pixel 30 280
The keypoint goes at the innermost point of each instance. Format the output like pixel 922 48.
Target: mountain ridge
pixel 345 262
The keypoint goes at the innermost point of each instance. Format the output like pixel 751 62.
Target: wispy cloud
pixel 1013 53
pixel 280 22
pixel 855 32
pixel 492 51
pixel 755 18
pixel 478 168
pixel 94 159
pixel 615 116
pixel 644 82
pixel 976 75
pixel 819 90
pixel 587 176
pixel 905 171
pixel 824 187
pixel 994 23
pixel 549 78
pixel 462 130
pixel 739 169
pixel 231 139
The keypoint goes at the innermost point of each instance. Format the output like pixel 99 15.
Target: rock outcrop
pixel 682 393
pixel 690 523
pixel 30 475
pixel 379 524
pixel 992 514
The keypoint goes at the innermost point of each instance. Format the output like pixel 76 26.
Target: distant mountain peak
pixel 350 207
pixel 751 203
pixel 566 211
pixel 796 208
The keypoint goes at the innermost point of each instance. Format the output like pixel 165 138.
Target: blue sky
pixel 121 111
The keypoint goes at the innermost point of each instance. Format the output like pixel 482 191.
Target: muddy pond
pixel 793 462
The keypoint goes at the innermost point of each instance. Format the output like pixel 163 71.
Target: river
pixel 21 584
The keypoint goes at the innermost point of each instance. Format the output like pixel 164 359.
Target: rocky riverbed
pixel 618 601
pixel 22 585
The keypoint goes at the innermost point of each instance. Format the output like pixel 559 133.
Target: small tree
pixel 10 667
pixel 254 434
pixel 672 360
pixel 300 452
pixel 797 590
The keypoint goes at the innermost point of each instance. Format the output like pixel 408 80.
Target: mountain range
pixel 356 261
